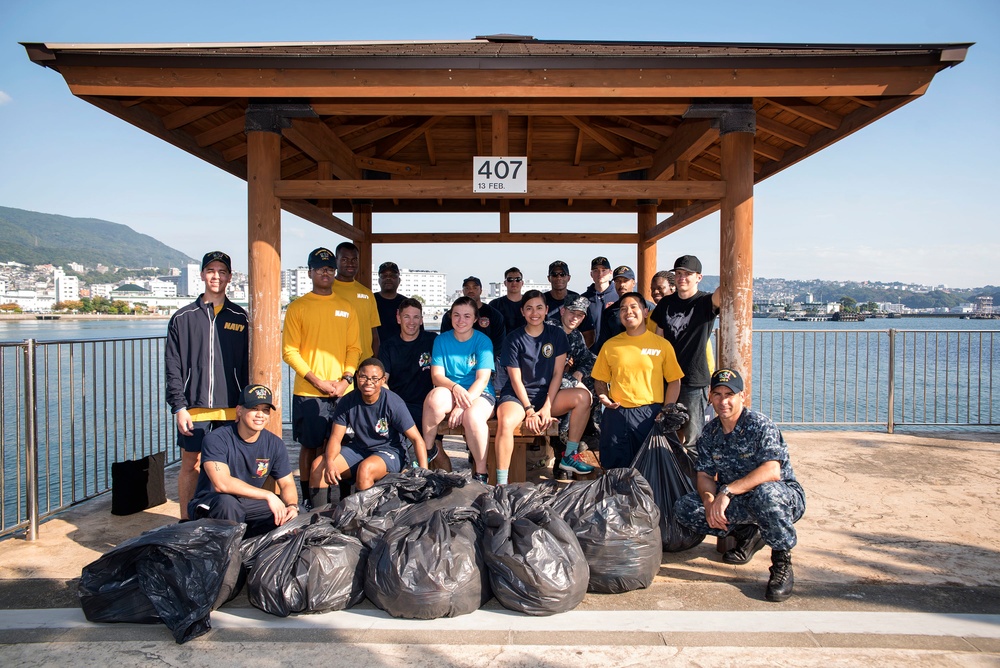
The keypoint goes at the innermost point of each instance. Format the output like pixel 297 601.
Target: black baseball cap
pixel 558 265
pixel 624 271
pixel 688 263
pixel 217 256
pixel 727 378
pixel 255 395
pixel 473 279
pixel 388 266
pixel 322 257
pixel 600 261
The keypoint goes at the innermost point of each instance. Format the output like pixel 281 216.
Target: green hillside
pixel 31 238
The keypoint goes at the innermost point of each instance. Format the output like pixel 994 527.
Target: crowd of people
pixel 372 387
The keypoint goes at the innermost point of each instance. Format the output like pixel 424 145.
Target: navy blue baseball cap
pixel 728 378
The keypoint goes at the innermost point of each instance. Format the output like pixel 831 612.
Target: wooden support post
pixel 646 250
pixel 736 271
pixel 264 237
pixel 362 211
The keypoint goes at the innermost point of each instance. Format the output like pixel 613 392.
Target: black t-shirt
pixel 687 325
pixel 250 462
pixel 511 312
pixel 376 426
pixel 490 323
pixel 535 357
pixel 408 364
pixel 387 315
pixel 552 310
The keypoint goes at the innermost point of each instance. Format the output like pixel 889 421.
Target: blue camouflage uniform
pixel 773 506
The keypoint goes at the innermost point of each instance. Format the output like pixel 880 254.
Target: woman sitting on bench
pixel 534 356
pixel 461 367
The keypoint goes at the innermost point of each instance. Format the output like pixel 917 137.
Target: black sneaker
pixel 481 477
pixel 748 543
pixel 558 473
pixel 779 585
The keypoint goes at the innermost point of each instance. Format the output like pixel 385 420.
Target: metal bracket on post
pixel 729 115
pixel 31 439
pixel 275 115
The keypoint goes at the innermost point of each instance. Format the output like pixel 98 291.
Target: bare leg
pixel 187 479
pixel 576 402
pixel 509 415
pixel 477 432
pixel 370 471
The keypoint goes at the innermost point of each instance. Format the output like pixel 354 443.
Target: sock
pixel 318 496
pixel 501 476
pixel 571 448
pixel 306 491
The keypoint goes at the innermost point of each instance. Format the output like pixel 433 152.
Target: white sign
pixel 494 174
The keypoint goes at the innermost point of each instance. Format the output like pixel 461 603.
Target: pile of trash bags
pixel 418 544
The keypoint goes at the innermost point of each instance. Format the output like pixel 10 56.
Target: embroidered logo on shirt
pixel 472 360
pixel 236 327
pixel 547 350
pixel 342 314
pixel 651 351
pixel 382 427
pixel 424 361
pixel 484 322
pixel 263 466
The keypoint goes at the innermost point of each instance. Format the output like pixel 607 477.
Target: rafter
pixel 810 112
pixel 605 139
pixel 689 139
pixel 773 127
pixel 193 112
pixel 319 142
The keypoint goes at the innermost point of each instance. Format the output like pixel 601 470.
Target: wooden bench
pixel 518 471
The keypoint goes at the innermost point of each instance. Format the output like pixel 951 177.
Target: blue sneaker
pixel 575 464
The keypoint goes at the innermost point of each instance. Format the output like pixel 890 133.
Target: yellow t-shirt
pixel 320 335
pixel 635 367
pixel 212 414
pixel 364 305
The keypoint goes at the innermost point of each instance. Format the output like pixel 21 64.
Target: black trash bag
pixel 618 525
pixel 251 548
pixel 535 561
pixel 429 570
pixel 311 568
pixel 368 514
pixel 175 574
pixel 668 469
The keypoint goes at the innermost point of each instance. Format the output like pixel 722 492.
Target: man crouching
pixel 746 486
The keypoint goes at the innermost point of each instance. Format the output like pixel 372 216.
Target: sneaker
pixel 575 464
pixel 559 474
pixel 481 477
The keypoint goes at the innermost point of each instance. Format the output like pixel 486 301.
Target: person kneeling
pixel 379 420
pixel 237 460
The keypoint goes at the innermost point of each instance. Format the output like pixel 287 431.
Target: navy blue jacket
pixel 207 356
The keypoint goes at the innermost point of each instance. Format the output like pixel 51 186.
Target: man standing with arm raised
pixel 206 366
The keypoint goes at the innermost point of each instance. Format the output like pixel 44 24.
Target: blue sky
pixel 905 199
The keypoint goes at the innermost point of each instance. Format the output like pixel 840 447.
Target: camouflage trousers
pixel 773 506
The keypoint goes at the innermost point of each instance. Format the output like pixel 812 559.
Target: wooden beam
pixel 408 137
pixel 605 139
pixel 362 215
pixel 499 145
pixel 192 113
pixel 507 85
pixel 497 238
pixel 372 137
pixel 431 154
pixel 528 139
pixel 415 188
pixel 324 219
pixel 504 217
pixel 689 139
pixel 602 106
pixel 621 166
pixel 681 219
pixel 627 132
pixel 220 132
pixel 645 250
pixel 783 131
pixel 853 122
pixel 810 112
pixel 319 142
pixel 387 166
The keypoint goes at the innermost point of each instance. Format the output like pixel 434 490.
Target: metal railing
pixel 877 377
pixel 70 409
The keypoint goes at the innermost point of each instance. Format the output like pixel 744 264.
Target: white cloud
pixel 4 98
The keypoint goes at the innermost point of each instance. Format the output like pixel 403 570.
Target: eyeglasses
pixel 559 274
pixel 513 280
pixel 325 270
pixel 362 378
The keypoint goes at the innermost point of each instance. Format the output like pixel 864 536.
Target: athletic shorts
pixel 623 431
pixel 312 418
pixel 537 401
pixel 199 429
pixel 391 457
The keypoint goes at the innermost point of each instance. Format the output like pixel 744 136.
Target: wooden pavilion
pixel 668 131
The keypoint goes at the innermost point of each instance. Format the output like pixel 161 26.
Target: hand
pixel 607 403
pixel 533 423
pixel 185 424
pixel 277 507
pixel 330 473
pixel 329 387
pixel 291 512
pixel 673 416
pixel 455 417
pixel 715 512
pixel 339 387
pixel 461 397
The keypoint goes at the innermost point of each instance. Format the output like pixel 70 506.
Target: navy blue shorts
pixel 312 419
pixel 623 431
pixel 199 429
pixel 537 401
pixel 392 457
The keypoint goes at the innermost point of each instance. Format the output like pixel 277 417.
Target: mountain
pixel 32 238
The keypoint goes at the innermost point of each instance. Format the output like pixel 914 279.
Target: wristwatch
pixel 725 490
pixel 348 377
